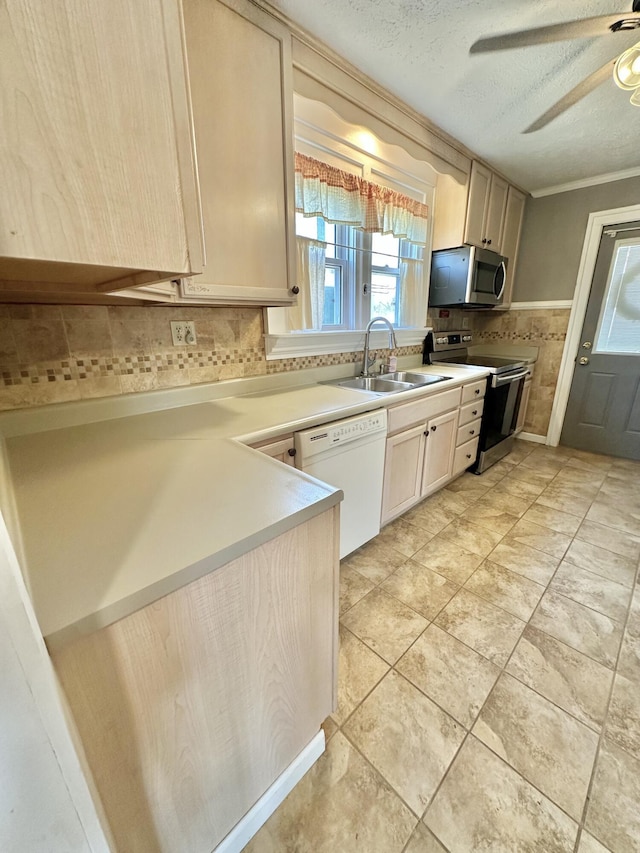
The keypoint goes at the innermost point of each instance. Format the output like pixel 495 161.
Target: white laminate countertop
pixel 117 513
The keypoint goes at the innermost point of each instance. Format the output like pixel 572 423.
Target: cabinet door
pixel 514 215
pixel 524 401
pixel 281 449
pixel 440 447
pixel 240 74
pixel 495 214
pixel 479 187
pixel 98 180
pixel 402 472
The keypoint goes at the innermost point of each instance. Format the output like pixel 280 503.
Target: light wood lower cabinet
pixel 419 459
pixel 431 441
pixel 440 440
pixel 402 472
pixel 282 449
pixel 189 709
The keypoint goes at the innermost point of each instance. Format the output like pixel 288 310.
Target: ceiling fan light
pixel 626 71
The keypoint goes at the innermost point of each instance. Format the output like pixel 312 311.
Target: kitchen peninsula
pixel 186 586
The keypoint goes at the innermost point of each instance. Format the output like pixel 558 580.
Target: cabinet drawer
pixel 402 417
pixel 464 456
pixel 470 412
pixel 468 432
pixel 474 391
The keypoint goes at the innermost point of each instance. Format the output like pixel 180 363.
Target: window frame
pixel 322 134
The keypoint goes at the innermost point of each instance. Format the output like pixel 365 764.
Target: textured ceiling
pixel 419 51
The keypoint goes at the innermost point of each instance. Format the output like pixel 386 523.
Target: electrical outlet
pixel 183 333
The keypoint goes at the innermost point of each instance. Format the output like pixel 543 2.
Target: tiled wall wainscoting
pixel 542 328
pixel 58 353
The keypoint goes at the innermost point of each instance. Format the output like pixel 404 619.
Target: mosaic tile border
pixel 284 365
pixel 87 367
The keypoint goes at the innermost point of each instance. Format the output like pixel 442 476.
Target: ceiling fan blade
pixel 586 28
pixel 576 94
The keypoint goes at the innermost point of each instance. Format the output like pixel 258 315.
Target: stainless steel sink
pixel 387 383
pixel 377 384
pixel 414 378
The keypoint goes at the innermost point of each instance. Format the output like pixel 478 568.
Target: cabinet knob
pixel 472 432
pixel 434 428
pixel 484 240
pixel 477 390
pixel 468 456
pixel 426 432
pixel 474 412
pixel 291 451
pixel 295 289
pixel 488 242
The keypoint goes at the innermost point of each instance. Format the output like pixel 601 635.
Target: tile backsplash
pixel 57 353
pixel 543 328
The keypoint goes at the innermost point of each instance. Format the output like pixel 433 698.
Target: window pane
pixel 385 248
pixel 619 323
pixel 332 296
pixel 384 296
pixel 330 238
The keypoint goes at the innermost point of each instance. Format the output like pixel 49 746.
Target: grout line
pixel 503 669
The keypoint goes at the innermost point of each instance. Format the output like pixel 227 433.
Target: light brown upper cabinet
pixel 485 208
pixel 240 73
pixel 488 213
pixel 513 217
pixel 99 188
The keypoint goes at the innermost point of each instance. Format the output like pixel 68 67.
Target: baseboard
pixel 244 831
pixel 532 436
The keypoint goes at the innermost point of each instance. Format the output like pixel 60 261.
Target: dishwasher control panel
pixel 319 439
pixel 348 430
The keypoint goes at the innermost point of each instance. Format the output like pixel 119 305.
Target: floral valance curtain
pixel 345 199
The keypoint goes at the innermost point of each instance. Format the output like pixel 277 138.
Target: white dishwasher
pixel 349 455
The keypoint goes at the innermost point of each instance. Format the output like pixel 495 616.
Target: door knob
pixel 583 360
pixel 587 345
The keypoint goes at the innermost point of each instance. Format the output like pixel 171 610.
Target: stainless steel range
pixel 504 390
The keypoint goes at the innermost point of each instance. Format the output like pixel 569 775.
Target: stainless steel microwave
pixel 467 277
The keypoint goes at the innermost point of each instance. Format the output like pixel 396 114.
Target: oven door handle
pixel 497 380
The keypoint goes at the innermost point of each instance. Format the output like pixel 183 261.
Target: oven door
pixel 499 417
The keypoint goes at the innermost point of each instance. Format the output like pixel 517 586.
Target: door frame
pixel 597 222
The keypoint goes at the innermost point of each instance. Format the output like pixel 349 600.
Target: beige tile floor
pixel 489 695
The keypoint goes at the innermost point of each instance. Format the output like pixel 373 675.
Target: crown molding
pixel 587 182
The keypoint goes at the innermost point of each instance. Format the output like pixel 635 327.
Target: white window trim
pixel 325 343
pixel 320 129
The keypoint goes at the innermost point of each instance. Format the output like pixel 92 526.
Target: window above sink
pixel 363 274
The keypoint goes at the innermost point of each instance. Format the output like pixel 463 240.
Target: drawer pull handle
pixel 474 412
pixel 472 432
pixel 477 390
pixel 468 456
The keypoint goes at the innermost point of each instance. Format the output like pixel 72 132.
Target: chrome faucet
pixel 368 362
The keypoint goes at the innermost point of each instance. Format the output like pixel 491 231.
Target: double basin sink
pixel 388 383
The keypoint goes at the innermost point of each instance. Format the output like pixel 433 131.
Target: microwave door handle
pixel 501 269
